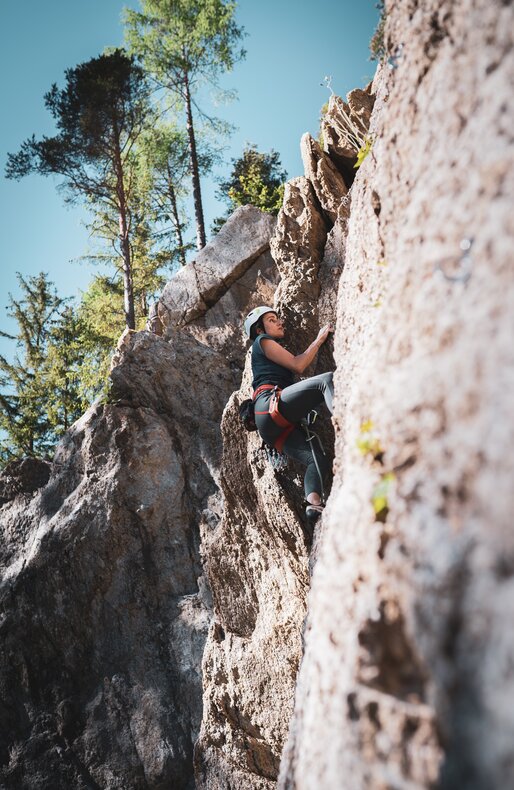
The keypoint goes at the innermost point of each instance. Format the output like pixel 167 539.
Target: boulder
pixel 221 326
pixel 195 287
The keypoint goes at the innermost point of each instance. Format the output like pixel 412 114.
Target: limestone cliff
pixel 168 620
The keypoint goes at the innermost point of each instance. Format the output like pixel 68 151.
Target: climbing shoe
pixel 313 512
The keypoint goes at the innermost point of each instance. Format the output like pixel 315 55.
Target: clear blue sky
pixel 291 45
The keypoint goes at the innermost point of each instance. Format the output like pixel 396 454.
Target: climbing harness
pixel 275 454
pixel 275 415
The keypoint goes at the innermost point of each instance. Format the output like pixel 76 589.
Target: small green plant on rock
pixel 363 151
pixel 350 129
pixel 368 442
pixel 380 496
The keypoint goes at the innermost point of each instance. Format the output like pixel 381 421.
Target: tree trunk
pixel 128 294
pixel 195 175
pixel 176 218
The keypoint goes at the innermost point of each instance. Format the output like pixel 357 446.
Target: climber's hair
pixel 258 325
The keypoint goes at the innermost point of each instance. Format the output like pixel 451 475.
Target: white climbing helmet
pixel 254 316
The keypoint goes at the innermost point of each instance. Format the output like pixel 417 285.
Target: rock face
pixel 406 679
pixel 232 274
pixel 256 557
pixel 23 477
pixel 327 181
pixel 103 611
pixel 158 597
pixel 103 600
pixel 343 126
pixel 256 562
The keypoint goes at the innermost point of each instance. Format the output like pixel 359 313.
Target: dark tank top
pixel 265 371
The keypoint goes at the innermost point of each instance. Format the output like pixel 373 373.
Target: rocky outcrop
pixel 256 562
pixel 104 604
pixel 326 180
pixel 147 549
pixel 343 124
pixel 228 277
pixel 103 609
pixel 405 679
pixel 297 247
pixel 256 557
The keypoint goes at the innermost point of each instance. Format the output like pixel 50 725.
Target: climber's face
pixel 273 325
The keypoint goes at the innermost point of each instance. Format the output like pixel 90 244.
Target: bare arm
pixel 297 364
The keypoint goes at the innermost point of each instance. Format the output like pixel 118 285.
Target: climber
pixel 280 404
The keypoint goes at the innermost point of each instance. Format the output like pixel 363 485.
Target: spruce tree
pixel 184 44
pixel 24 417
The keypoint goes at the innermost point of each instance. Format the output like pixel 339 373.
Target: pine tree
pixel 165 161
pixel 256 179
pixel 184 44
pixel 100 115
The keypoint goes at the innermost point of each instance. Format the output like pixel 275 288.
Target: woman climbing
pixel 280 404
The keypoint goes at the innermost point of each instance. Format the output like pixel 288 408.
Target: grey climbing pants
pixel 295 403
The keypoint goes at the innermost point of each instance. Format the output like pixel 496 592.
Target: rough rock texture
pixel 103 617
pixel 232 274
pixel 256 557
pixel 337 143
pixel 297 247
pixel 23 477
pixel 406 680
pixel 407 675
pixel 220 326
pixel 327 181
pixel 200 284
pixel 256 563
pixel 104 606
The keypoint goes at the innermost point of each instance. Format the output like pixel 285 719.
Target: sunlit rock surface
pixel 161 591
pixel 406 679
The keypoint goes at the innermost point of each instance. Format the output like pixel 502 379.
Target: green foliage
pixel 100 114
pixel 164 168
pixel 368 442
pixel 380 494
pixel 175 40
pixel 363 151
pixel 184 44
pixel 256 179
pixel 39 397
pixel 65 401
pixel 377 44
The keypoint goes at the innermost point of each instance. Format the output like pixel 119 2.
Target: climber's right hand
pixel 324 333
